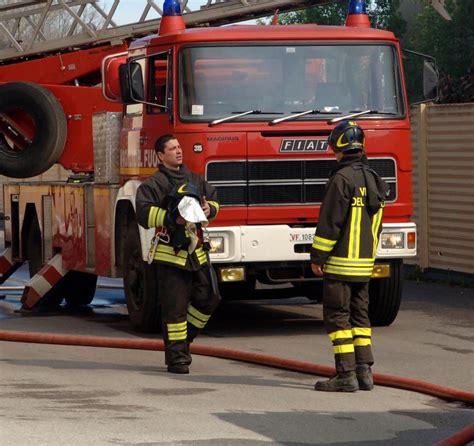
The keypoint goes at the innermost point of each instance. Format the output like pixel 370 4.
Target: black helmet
pixel 346 136
pixel 178 192
pixel 179 237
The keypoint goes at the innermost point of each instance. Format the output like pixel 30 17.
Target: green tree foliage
pixel 452 44
pixel 383 14
pixel 334 14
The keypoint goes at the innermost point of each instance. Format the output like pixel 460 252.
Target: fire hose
pixel 445 393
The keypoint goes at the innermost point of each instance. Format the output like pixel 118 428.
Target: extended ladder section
pixel 34 27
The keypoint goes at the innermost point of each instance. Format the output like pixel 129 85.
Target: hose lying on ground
pixel 445 393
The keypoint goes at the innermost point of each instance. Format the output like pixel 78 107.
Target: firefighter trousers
pixel 187 302
pixel 346 319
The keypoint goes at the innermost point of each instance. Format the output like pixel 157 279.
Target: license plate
pixel 301 238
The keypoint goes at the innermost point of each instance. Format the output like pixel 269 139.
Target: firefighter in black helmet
pixel 186 283
pixel 343 252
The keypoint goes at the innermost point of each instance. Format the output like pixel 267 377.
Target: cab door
pixel 158 108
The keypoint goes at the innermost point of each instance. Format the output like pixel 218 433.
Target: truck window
pixel 158 84
pixel 216 81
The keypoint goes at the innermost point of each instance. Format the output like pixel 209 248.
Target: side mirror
pixel 137 86
pixel 422 77
pixel 430 80
pixel 131 83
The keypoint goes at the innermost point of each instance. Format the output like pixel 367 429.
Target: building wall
pixel 443 187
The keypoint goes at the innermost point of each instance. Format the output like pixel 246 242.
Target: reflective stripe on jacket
pixel 151 196
pixel 347 234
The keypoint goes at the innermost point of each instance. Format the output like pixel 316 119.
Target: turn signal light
pixel 411 240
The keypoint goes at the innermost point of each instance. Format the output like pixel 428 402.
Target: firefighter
pixel 343 252
pixel 186 283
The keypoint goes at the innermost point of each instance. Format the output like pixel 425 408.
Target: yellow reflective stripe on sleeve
pixel 340 334
pixel 346 348
pixel 354 238
pixel 323 244
pixel 177 332
pixel 362 342
pixel 215 204
pixel 376 220
pixel 201 256
pixel 160 218
pixel 348 271
pixel 156 217
pixel 152 216
pixel 358 331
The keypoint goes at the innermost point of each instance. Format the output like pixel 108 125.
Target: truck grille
pixel 282 182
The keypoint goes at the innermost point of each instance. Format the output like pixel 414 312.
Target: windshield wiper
pixel 355 113
pixel 238 114
pixel 295 115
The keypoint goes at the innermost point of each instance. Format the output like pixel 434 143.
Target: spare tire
pixel 33 129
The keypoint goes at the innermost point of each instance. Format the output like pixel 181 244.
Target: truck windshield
pixel 217 81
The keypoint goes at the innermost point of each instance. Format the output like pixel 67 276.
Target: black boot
pixel 178 368
pixel 342 382
pixel 177 354
pixel 364 377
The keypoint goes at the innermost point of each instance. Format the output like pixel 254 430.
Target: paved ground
pixel 80 396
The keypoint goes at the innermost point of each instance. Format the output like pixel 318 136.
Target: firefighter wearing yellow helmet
pixel 343 252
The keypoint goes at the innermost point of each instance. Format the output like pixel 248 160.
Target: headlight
pixel 393 240
pixel 217 245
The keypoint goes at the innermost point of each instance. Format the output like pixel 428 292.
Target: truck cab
pixel 252 107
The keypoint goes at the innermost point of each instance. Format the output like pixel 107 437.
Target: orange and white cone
pixel 7 265
pixel 43 282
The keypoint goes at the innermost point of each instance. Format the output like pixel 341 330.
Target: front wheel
pixel 140 284
pixel 385 296
pixel 79 288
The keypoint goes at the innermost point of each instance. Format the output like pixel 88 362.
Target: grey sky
pixel 129 11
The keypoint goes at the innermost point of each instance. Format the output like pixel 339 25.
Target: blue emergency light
pixel 171 7
pixel 357 7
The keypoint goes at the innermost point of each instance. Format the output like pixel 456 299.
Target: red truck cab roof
pixel 262 33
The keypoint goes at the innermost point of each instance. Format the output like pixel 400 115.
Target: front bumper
pixel 282 243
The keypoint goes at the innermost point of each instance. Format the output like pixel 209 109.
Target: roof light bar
pixel 172 20
pixel 357 7
pixel 171 7
pixel 357 14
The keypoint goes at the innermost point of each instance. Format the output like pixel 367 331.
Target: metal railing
pixel 32 27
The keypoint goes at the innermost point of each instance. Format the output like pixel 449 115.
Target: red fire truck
pixel 252 106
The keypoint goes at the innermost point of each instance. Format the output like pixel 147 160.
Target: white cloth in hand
pixel 190 209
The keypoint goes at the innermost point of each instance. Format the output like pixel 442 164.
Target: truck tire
pixel 79 287
pixel 385 296
pixel 140 284
pixel 313 290
pixel 37 114
pixel 238 290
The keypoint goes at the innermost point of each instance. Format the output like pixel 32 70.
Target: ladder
pixel 23 24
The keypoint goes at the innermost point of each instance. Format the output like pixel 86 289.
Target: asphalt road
pixel 53 395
